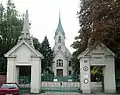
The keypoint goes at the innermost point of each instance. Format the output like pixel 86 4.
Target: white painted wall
pixel 85 87
pixel 109 76
pixel 36 75
pixel 60 56
pixel 99 57
pixel 24 56
pixel 11 70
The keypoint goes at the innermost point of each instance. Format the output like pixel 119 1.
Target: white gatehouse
pixel 97 56
pixel 24 54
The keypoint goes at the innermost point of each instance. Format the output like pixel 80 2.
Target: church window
pixel 59 63
pixel 70 72
pixel 59 39
pixel 69 63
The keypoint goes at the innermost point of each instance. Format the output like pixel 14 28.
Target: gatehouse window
pixel 59 63
pixel 59 39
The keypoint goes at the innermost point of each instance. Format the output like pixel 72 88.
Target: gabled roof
pixel 59 51
pixel 68 52
pixel 18 45
pixel 83 54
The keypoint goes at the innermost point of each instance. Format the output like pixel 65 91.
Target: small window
pixel 69 63
pixel 57 64
pixel 70 72
pixel 59 39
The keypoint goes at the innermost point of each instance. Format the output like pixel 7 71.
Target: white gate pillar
pixel 11 70
pixel 85 79
pixel 36 75
pixel 109 75
pixel 17 75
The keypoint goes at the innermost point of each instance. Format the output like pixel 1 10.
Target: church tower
pixel 62 56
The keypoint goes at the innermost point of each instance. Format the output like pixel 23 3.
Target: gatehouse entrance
pixel 24 78
pixel 97 78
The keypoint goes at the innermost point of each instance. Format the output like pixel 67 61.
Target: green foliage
pixel 96 73
pixel 10 29
pixel 45 49
pixel 96 70
pixel 75 63
pixel 99 22
pixel 11 24
pixel 47 52
pixel 36 44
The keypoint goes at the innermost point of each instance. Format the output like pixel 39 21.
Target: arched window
pixel 59 63
pixel 59 39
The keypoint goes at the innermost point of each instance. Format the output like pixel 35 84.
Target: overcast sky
pixel 44 14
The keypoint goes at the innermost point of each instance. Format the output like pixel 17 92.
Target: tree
pixel 47 52
pixel 81 41
pixel 10 29
pixel 96 73
pixel 37 44
pixel 99 22
pixel 75 63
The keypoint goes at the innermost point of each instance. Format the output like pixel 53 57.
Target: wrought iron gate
pixel 51 83
pixel 24 84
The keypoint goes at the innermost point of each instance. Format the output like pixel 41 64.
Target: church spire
pixel 59 27
pixel 26 31
pixel 59 17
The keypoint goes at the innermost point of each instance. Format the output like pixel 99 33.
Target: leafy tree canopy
pixel 47 52
pixel 99 22
pixel 10 29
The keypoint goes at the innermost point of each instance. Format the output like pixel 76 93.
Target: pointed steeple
pixel 59 27
pixel 26 31
pixel 26 24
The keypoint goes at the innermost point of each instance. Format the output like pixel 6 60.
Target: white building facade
pixel 62 56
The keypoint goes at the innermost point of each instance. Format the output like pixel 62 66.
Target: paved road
pixel 70 93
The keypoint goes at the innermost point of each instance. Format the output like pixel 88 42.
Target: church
pixel 62 56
